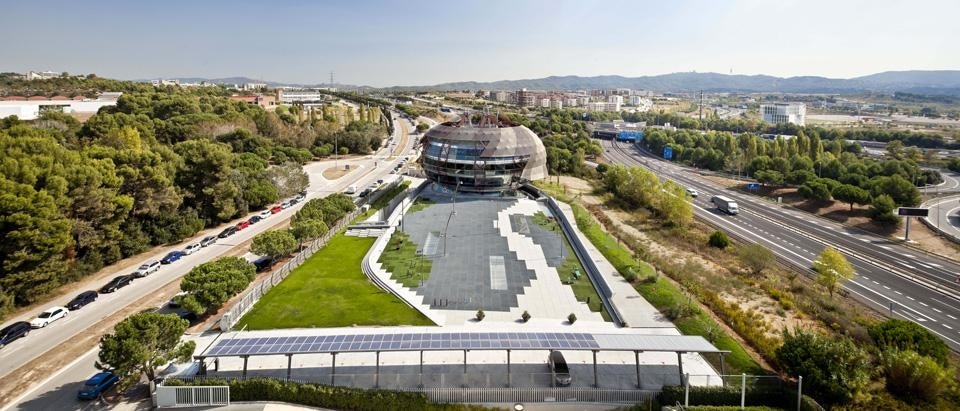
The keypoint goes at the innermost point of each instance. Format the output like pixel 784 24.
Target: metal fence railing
pixel 184 397
pixel 257 290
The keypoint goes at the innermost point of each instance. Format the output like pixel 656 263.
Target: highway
pixel 893 279
pixel 945 215
pixel 12 357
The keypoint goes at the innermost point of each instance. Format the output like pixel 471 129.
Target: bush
pixel 572 318
pixel 881 210
pixel 602 168
pixel 913 377
pixel 907 335
pixel 480 315
pixel 719 239
pixel 834 369
pixel 525 316
pixel 720 396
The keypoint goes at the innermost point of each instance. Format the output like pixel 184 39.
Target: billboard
pixel 913 212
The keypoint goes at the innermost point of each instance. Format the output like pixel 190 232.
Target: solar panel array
pixel 400 342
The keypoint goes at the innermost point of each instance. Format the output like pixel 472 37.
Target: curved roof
pixel 500 142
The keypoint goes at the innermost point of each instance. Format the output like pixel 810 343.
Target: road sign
pixel 913 211
pixel 668 152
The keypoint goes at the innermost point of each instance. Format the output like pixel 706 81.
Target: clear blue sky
pixel 382 43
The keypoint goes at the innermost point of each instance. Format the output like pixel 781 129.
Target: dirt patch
pixel 334 173
pixel 404 138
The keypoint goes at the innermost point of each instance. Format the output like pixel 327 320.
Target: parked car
pixel 263 263
pixel 227 232
pixel 172 256
pixel 255 219
pixel 276 209
pixel 301 196
pixel 558 366
pixel 192 248
pixel 265 213
pixel 117 283
pixel 365 192
pixel 97 385
pixel 208 240
pixel 243 224
pixel 50 315
pixel 173 301
pixel 285 205
pixel 81 300
pixel 293 202
pixel 14 331
pixel 148 268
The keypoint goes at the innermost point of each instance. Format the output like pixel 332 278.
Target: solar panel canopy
pixel 341 343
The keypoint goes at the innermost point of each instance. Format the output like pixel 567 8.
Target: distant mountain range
pixel 930 82
pixel 243 80
pixel 914 81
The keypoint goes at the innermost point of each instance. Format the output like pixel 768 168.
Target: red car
pixel 243 224
pixel 276 209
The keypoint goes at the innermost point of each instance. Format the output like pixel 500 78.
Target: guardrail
pixel 596 278
pixel 253 294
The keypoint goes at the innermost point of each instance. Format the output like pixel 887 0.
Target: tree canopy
pixel 141 343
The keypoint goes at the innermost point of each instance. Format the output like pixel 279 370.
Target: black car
pixel 13 331
pixel 117 283
pixel 255 219
pixel 81 300
pixel 294 201
pixel 227 232
pixel 263 263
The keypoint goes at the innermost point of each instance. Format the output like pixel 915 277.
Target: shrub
pixel 602 168
pixel 912 376
pixel 719 239
pixel 480 315
pixel 629 274
pixel 572 318
pixel 907 335
pixel 834 369
pixel 729 396
pixel 525 316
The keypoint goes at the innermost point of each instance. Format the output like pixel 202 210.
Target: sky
pixel 388 43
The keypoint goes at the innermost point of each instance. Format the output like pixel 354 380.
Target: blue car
pixel 97 385
pixel 172 256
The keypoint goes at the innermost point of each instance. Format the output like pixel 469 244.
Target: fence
pixel 233 315
pixel 508 395
pixel 182 397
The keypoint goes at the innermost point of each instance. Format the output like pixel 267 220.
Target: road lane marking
pixel 948 327
pixel 911 298
pixel 906 265
pixel 934 309
pixel 923 304
pixel 951 317
pixel 898 292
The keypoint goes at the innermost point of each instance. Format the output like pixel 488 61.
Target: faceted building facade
pixel 488 158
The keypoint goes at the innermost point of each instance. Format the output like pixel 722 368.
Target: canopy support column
pixel 508 368
pixel 595 382
pixel 680 364
pixel 289 365
pixel 333 369
pixel 245 358
pixel 636 356
pixel 376 382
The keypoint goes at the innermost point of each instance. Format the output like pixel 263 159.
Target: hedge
pixel 722 396
pixel 324 396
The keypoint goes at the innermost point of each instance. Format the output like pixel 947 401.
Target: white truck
pixel 725 204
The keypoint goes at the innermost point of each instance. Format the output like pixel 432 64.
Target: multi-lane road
pixel 896 280
pixel 367 170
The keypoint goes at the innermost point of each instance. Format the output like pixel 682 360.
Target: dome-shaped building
pixel 491 157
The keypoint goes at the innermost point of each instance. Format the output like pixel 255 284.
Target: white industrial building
pixel 545 103
pixel 303 96
pixel 793 113
pixel 557 104
pixel 31 109
pixel 570 102
pixel 615 99
pixel 643 104
pixel 603 106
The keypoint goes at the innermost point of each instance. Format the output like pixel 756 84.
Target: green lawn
pixel 401 260
pixel 419 204
pixel 330 290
